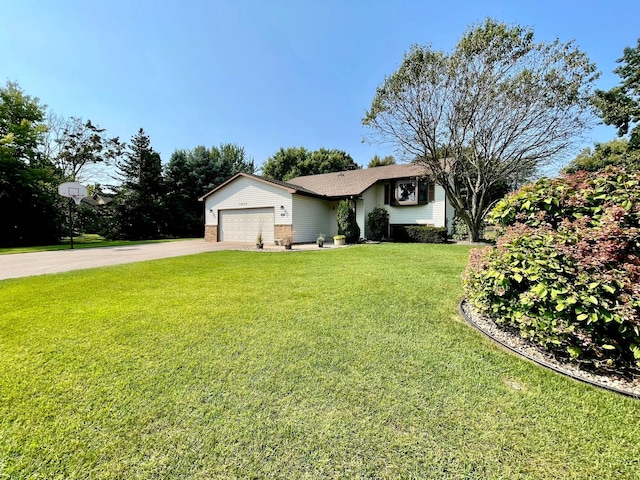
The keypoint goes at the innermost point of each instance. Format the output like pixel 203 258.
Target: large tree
pixel 138 206
pixel 496 108
pixel 291 162
pixel 192 173
pixel 620 106
pixel 28 197
pixel 77 148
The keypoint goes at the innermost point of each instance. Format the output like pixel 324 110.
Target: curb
pixel 542 362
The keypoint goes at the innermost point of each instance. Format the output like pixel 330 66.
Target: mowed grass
pixel 349 363
pixel 83 241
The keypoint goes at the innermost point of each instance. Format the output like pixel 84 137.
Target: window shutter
pixel 432 192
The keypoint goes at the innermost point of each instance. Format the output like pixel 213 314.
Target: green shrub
pixel 566 269
pixel 378 223
pixel 425 234
pixel 460 230
pixel 347 224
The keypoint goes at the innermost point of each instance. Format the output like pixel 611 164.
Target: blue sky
pixel 262 74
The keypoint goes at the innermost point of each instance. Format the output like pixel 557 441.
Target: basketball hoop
pixel 73 190
pixel 76 192
pixel 78 198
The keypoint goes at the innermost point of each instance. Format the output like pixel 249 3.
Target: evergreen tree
pixel 192 173
pixel 138 207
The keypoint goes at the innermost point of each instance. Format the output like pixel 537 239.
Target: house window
pixel 406 191
pixel 409 191
pixel 423 192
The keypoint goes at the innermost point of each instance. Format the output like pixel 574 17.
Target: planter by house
pixel 287 242
pixel 339 240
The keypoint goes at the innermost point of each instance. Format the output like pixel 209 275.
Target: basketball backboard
pixel 73 190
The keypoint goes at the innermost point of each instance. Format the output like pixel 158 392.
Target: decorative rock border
pixel 525 350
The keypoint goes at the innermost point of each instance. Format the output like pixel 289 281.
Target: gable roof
pixel 334 185
pixel 284 185
pixel 354 182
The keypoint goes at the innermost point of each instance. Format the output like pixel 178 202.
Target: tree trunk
pixel 475 231
pixel 474 226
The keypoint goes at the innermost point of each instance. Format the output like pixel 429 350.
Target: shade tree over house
pixel 495 109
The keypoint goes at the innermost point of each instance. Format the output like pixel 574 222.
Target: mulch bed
pixel 513 342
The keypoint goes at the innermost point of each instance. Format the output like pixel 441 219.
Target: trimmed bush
pixel 347 224
pixel 425 234
pixel 566 270
pixel 378 223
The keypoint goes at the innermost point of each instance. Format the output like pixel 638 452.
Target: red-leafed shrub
pixel 566 267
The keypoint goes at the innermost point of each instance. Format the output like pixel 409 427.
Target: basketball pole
pixel 70 223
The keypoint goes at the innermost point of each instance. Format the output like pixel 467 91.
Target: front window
pixel 409 191
pixel 406 191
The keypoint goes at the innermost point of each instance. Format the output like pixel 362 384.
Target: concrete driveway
pixel 37 263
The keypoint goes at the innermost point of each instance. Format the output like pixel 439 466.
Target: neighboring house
pixel 303 207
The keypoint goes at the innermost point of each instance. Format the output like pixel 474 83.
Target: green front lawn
pixel 83 241
pixel 349 363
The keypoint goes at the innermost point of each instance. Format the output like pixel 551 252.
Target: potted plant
pixel 320 240
pixel 339 240
pixel 287 241
pixel 259 243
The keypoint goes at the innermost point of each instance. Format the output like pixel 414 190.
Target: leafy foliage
pixel 21 126
pixel 378 223
pixel 291 162
pixel 347 224
pixel 460 229
pixel 566 270
pixel 421 234
pixel 376 161
pixel 81 145
pixel 499 106
pixel 29 208
pixel 615 152
pixel 192 173
pixel 620 106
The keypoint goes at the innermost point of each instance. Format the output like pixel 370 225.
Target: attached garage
pixel 245 205
pixel 244 225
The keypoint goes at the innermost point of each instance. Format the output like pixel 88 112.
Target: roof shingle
pixel 354 182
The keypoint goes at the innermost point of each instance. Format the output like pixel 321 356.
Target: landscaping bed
pixel 626 383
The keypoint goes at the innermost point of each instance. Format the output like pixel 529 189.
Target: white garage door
pixel 244 225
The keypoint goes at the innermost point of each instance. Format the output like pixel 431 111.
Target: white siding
pixel 370 201
pixel 332 221
pixel 249 193
pixel 360 216
pixel 311 216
